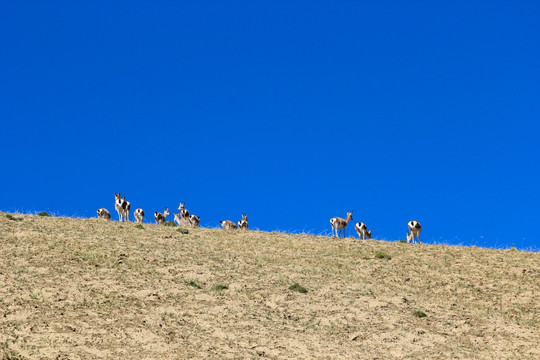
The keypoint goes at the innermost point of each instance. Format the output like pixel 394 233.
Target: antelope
pixel 159 217
pixel 227 224
pixel 243 224
pixel 122 206
pixel 339 224
pixel 184 215
pixel 139 215
pixel 103 214
pixel 414 228
pixel 194 220
pixel 361 230
pixel 178 219
pixel 183 211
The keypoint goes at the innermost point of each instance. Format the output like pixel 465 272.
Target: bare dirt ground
pixel 91 289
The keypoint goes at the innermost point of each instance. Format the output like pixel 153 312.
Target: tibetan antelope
pixel 139 215
pixel 191 220
pixel 339 224
pixel 243 224
pixel 194 220
pixel 183 211
pixel 414 228
pixel 103 214
pixel 160 218
pixel 227 224
pixel 122 206
pixel 184 215
pixel 361 230
pixel 178 219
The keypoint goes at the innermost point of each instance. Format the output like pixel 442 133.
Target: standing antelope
pixel 361 230
pixel 183 211
pixel 243 224
pixel 103 214
pixel 414 228
pixel 227 224
pixel 339 224
pixel 122 206
pixel 159 217
pixel 139 215
pixel 178 219
pixel 184 215
pixel 194 220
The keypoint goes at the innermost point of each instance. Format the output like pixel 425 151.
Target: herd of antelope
pixel 184 218
pixel 339 225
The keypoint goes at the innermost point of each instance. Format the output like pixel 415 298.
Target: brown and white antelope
pixel 103 214
pixel 361 230
pixel 243 224
pixel 160 218
pixel 339 224
pixel 122 206
pixel 184 215
pixel 139 215
pixel 183 210
pixel 227 224
pixel 194 220
pixel 414 228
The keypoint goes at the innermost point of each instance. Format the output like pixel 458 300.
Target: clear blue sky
pixel 291 111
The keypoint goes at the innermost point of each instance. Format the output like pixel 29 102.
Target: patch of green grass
pixel 382 255
pixel 13 218
pixel 419 313
pixel 170 223
pixel 182 230
pixel 43 213
pixel 298 287
pixel 139 226
pixel 194 284
pixel 402 241
pixel 219 287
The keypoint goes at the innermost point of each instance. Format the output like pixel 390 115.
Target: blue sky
pixel 291 111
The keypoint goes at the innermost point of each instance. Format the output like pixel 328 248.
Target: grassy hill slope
pixel 90 289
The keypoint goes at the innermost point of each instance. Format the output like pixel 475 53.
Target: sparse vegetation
pixel 219 287
pixel 139 226
pixel 13 218
pixel 7 354
pixel 170 223
pixel 70 282
pixel 193 284
pixel 382 255
pixel 182 230
pixel 298 287
pixel 11 355
pixel 43 213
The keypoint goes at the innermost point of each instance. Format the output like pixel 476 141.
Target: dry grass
pixel 90 289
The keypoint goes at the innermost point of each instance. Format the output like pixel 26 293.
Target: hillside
pixel 90 289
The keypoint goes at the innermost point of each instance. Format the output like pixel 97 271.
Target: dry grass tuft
pixel 90 289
